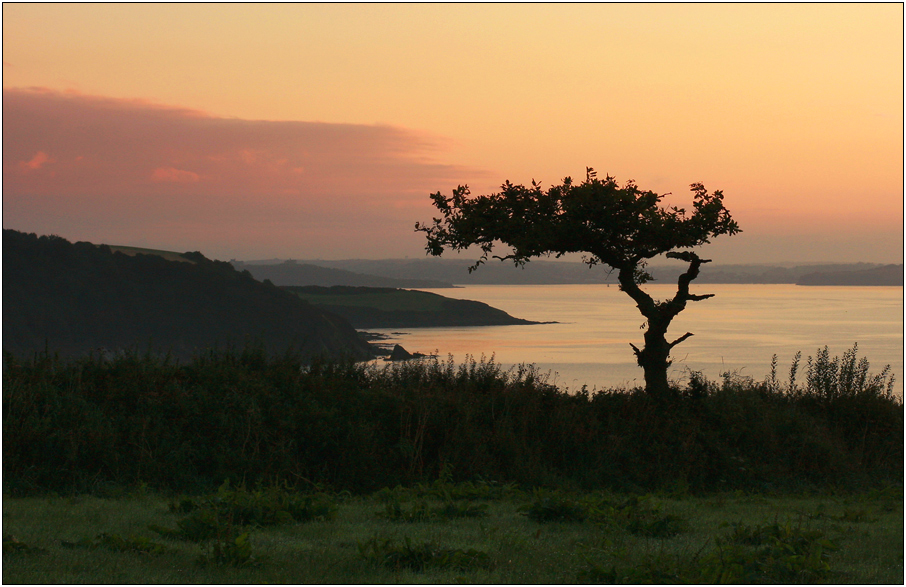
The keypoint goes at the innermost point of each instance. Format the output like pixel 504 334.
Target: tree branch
pixel 680 339
pixel 515 258
pixel 644 302
pixel 682 284
pixel 636 350
pixel 695 298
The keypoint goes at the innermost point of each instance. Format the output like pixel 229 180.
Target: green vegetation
pixel 429 472
pixel 92 423
pixel 374 307
pixel 734 537
pixel 132 251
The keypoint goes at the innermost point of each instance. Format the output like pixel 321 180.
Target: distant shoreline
pixel 450 273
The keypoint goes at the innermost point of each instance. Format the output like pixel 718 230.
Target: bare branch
pixel 695 298
pixel 636 350
pixel 506 257
pixel 682 290
pixel 680 339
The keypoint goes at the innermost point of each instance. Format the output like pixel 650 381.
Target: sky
pixel 318 131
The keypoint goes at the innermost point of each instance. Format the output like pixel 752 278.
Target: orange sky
pixel 318 130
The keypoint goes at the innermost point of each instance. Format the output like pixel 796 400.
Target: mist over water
pixel 737 330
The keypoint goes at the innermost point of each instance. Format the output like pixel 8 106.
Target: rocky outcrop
pixel 400 354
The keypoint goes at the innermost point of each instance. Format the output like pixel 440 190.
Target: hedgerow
pixel 93 423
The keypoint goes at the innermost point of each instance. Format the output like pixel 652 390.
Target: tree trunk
pixel 654 358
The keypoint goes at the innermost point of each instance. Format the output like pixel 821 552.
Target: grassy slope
pixel 132 251
pixel 868 529
pixel 383 298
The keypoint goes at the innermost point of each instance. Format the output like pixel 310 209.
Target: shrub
pixel 230 551
pixel 215 515
pixel 117 543
pixel 420 557
pixel 773 553
pixel 554 507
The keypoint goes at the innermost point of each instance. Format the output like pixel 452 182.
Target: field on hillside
pixel 454 533
pixel 132 251
pixel 386 299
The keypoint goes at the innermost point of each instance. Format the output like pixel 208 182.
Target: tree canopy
pixel 617 226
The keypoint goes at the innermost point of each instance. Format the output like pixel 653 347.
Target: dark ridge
pixel 372 307
pixel 76 298
pixel 886 275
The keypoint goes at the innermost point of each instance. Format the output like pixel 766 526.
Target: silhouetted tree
pixel 621 227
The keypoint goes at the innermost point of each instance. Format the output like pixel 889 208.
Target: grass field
pixel 132 251
pixel 450 533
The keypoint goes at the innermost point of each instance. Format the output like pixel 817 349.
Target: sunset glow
pixel 309 131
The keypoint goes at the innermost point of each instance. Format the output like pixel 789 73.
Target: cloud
pixel 172 174
pixel 127 171
pixel 35 162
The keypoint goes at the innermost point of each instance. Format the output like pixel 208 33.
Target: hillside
pixel 302 274
pixel 886 275
pixel 80 297
pixel 372 307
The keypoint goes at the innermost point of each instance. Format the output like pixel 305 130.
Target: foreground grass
pixel 514 537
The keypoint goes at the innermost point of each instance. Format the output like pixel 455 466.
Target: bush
pixel 420 557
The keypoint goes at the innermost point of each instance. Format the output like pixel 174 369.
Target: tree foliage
pixel 617 226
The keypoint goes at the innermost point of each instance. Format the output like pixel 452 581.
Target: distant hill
pixel 885 275
pixel 763 274
pixel 561 272
pixel 456 271
pixel 374 307
pixel 303 274
pixel 80 297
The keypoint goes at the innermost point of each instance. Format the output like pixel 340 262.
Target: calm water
pixel 738 330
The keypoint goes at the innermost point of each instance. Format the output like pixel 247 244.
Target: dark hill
pixel 80 297
pixel 885 275
pixel 379 307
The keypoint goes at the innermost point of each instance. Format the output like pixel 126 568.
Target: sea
pixel 586 340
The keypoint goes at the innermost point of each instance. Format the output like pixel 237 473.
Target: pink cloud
pixel 35 162
pixel 128 171
pixel 171 174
